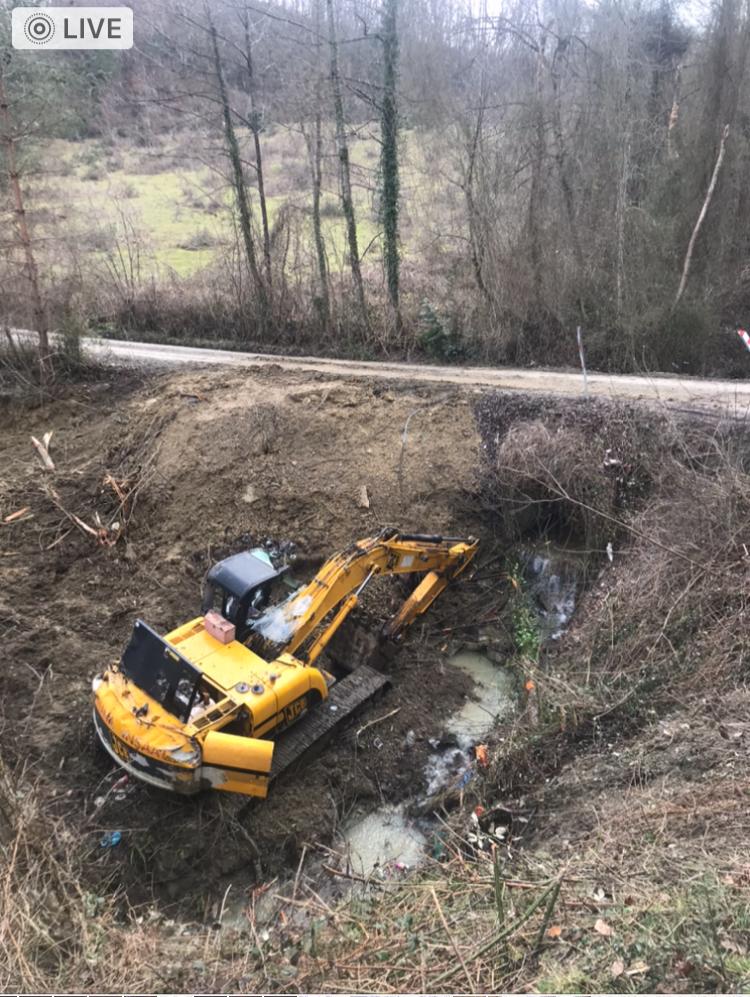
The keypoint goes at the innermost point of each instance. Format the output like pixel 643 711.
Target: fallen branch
pixel 452 940
pixel 344 875
pixel 43 450
pixel 18 514
pixel 377 720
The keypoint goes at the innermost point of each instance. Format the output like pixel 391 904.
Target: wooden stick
pixel 43 452
pixel 344 875
pixel 377 720
pixel 452 940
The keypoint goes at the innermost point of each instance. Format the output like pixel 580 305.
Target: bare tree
pixel 238 179
pixel 347 201
pixel 390 200
pixel 255 122
pixel 314 142
pixel 9 137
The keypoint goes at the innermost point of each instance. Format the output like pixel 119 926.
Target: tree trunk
pixel 315 155
pixel 389 155
pixel 620 221
pixel 238 180
pixel 9 144
pixel 561 158
pixel 255 128
pixel 477 237
pixel 701 217
pixel 536 194
pixel 347 202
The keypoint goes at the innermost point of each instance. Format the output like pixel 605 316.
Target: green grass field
pixel 173 202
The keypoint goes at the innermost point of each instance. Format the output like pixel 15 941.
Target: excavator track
pixel 312 732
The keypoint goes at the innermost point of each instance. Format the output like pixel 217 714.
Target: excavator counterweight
pixel 203 707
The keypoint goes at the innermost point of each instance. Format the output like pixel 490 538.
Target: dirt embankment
pixel 215 463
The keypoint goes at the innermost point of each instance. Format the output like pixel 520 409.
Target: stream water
pixel 387 838
pixel 386 842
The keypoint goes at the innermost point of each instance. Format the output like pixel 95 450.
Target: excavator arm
pixel 337 586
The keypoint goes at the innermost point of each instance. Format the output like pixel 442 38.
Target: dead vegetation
pixel 631 752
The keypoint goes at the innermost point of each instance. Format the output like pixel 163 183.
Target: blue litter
pixel 110 839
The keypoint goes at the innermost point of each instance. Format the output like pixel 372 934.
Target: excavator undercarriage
pixel 235 697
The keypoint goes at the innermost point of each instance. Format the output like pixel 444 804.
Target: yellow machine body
pixel 190 711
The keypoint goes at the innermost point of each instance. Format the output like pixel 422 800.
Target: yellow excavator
pixel 197 709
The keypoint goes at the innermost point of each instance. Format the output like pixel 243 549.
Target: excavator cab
pixel 239 587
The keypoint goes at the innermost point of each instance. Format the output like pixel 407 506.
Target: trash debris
pixel 110 839
pixel 377 743
pixel 636 968
pixel 411 739
pixel 43 450
pixel 481 753
pixel 249 495
pixel 489 828
pixel 554 931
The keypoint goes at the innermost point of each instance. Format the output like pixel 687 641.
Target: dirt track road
pixel 662 388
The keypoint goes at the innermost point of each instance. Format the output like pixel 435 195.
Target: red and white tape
pixel 744 336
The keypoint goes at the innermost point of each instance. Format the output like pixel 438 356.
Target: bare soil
pixel 223 460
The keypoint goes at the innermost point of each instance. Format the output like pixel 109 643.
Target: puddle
pixel 494 694
pixel 493 698
pixel 384 842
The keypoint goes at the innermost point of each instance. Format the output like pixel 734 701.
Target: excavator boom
pixel 342 578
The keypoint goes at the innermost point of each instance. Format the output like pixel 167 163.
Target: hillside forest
pixel 389 178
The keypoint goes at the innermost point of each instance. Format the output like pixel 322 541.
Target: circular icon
pixel 39 28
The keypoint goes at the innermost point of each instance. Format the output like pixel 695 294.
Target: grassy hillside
pixel 173 199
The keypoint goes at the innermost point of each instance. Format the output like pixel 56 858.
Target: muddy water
pixel 493 699
pixel 382 839
pixel 387 841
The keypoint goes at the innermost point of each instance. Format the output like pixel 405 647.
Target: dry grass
pixel 596 919
pixel 60 934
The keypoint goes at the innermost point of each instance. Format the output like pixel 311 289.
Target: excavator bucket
pixel 237 764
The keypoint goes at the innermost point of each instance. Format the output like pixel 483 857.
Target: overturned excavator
pixel 203 707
